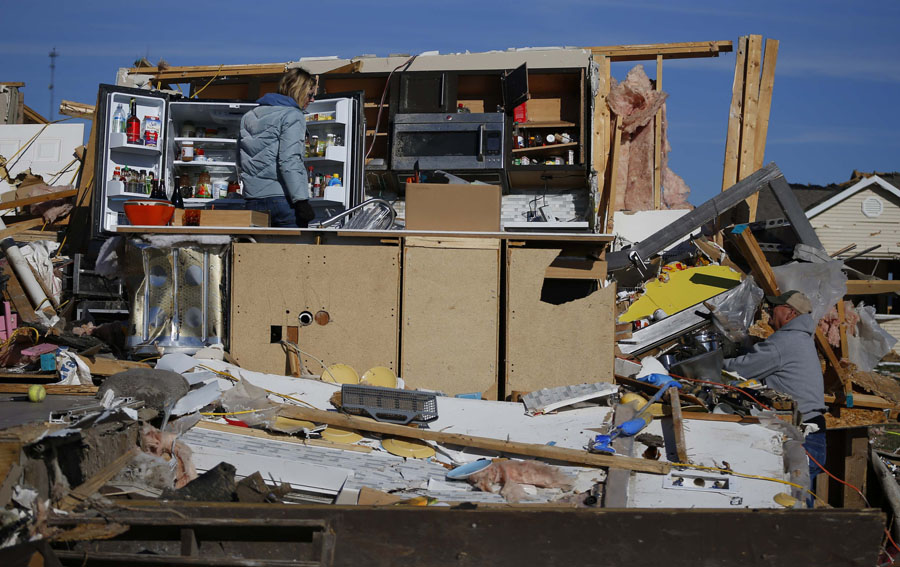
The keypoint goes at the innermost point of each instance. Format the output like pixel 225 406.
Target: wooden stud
pixel 657 141
pixel 678 425
pixel 855 466
pixel 613 174
pixel 733 137
pixel 746 159
pixel 766 86
pixel 6 205
pixel 872 287
pixel 17 297
pixel 682 50
pixel 601 123
pixel 20 227
pixel 496 445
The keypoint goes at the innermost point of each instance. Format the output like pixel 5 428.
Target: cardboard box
pixel 434 206
pixel 224 218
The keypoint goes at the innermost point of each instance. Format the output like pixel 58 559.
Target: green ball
pixel 37 393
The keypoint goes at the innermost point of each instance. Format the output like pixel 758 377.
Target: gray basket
pixel 388 404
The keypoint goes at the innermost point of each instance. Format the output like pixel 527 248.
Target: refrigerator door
pixel 341 115
pixel 113 150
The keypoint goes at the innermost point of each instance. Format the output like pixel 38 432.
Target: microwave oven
pixel 448 141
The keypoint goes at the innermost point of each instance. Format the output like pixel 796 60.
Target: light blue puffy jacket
pixel 271 150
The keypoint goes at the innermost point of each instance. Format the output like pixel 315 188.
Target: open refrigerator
pixel 212 127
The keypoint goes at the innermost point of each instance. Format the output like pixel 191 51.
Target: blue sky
pixel 837 81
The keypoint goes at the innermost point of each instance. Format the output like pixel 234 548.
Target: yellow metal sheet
pixel 683 289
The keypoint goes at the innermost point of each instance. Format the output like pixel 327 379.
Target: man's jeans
pixel 815 446
pixel 281 213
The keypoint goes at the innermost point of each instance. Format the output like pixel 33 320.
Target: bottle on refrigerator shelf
pixel 177 199
pixel 309 180
pixel 159 190
pixel 317 187
pixel 306 146
pixel 118 120
pixel 117 173
pixel 329 141
pixel 148 183
pixel 335 180
pixel 133 124
pixel 203 189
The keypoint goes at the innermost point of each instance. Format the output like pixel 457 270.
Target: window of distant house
pixel 872 207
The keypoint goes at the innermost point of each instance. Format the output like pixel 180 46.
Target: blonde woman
pixel 271 152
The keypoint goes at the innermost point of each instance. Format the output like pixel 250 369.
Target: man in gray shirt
pixel 787 362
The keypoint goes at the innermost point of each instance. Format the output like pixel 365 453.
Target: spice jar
pixel 187 151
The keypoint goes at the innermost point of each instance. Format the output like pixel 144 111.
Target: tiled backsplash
pixel 566 206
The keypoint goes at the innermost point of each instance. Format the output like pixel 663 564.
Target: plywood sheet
pixel 554 345
pixel 450 318
pixel 358 286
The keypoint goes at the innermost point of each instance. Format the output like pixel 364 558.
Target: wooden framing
pixel 613 174
pixel 657 144
pixel 872 287
pixel 601 135
pixel 735 113
pixel 684 50
pixel 76 109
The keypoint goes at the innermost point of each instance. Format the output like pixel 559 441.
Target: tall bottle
pixel 118 120
pixel 133 124
pixel 159 190
pixel 149 181
pixel 177 199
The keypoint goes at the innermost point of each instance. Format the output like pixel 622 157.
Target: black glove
pixel 304 213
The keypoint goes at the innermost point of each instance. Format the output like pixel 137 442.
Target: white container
pixel 220 188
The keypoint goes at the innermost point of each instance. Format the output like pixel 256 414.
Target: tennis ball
pixel 37 393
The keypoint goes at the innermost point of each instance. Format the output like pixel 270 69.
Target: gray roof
pixel 811 195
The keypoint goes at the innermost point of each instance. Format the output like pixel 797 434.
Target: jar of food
pixel 187 151
pixel 199 154
pixel 234 188
pixel 212 132
pixel 220 188
pixel 204 186
pixel 188 130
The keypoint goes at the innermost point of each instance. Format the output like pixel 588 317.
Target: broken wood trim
pixel 76 109
pixel 576 270
pixel 20 227
pixel 766 87
pixel 842 329
pixel 678 425
pixel 32 116
pixel 452 242
pixel 868 401
pixel 645 52
pixel 735 113
pixel 750 107
pixel 601 140
pixel 51 389
pixel 657 140
pixel 181 74
pixel 872 287
pixel 17 296
pixel 497 445
pixel 96 482
pixel 613 174
pixel 6 205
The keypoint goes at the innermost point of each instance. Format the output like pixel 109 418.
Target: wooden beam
pixel 733 136
pixel 678 425
pixel 102 366
pixel 872 287
pixel 22 226
pixel 601 138
pixel 856 466
pixel 496 445
pixel 76 109
pixel 51 389
pixel 17 297
pixel 79 231
pixel 6 205
pixel 657 141
pixel 33 116
pixel 96 482
pixel 746 160
pixel 181 74
pixel 613 173
pixel 649 52
pixel 868 401
pixel 842 328
pixel 766 87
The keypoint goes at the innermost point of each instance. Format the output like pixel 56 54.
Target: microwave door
pixel 436 146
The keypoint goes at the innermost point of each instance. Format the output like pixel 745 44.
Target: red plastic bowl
pixel 149 212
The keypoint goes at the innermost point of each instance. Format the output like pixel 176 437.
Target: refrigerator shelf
pixel 325 123
pixel 209 142
pixel 117 142
pixel 117 189
pixel 218 201
pixel 206 164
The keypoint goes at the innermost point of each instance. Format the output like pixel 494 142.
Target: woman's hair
pixel 297 83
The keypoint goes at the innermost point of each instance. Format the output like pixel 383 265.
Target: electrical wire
pixel 208 82
pixel 746 475
pixel 387 85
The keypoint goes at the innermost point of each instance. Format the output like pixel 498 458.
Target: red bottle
pixel 133 125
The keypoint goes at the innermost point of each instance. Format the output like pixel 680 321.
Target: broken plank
pixel 17 297
pixel 746 159
pixel 866 401
pixel 657 141
pixel 842 329
pixel 856 466
pixel 766 87
pixel 51 389
pixel 733 136
pixel 613 173
pixel 6 205
pixel 576 270
pixel 678 425
pixel 102 366
pixel 872 287
pixel 496 445
pixel 77 109
pixel 22 226
pixel 96 482
pixel 600 148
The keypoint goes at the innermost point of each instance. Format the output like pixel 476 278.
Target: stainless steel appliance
pixel 454 142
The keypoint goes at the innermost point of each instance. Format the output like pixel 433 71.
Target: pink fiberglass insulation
pixel 830 324
pixel 636 103
pixel 164 444
pixel 510 475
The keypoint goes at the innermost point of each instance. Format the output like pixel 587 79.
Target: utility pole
pixel 53 56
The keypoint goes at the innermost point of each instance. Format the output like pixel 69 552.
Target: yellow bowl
pixel 410 448
pixel 341 374
pixel 379 376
